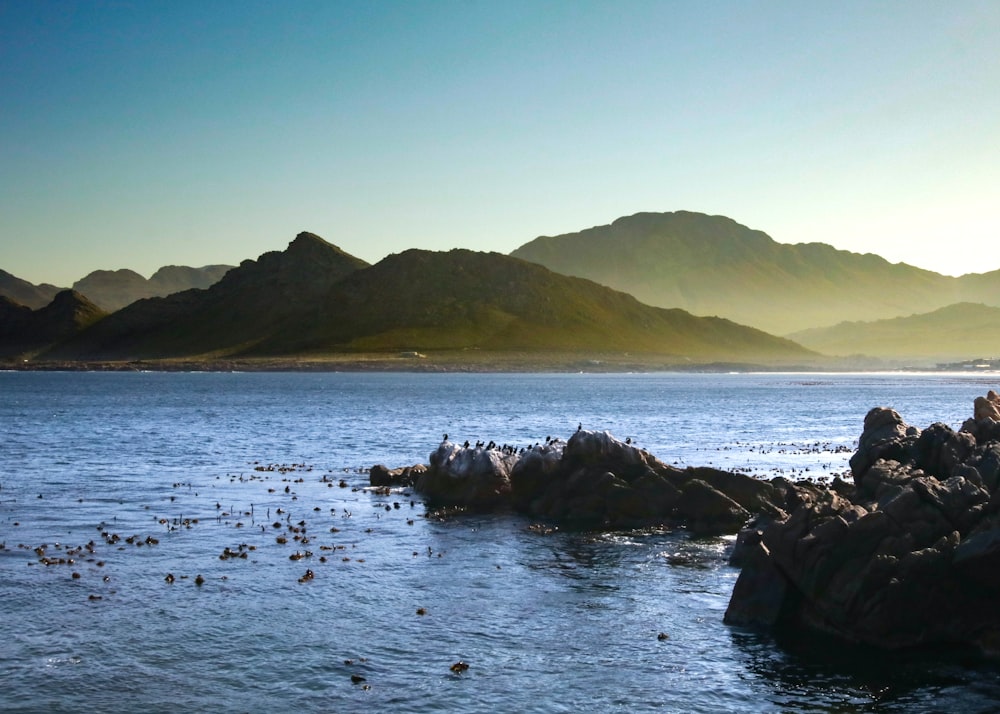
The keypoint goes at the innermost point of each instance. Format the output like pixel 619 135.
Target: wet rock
pixel 477 478
pixel 760 597
pixel 885 436
pixel 707 510
pixel 908 558
pixel 381 476
pixel 592 480
pixel 987 407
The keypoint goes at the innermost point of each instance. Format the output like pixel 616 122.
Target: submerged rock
pixel 909 557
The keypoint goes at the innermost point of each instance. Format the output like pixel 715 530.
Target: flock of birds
pixel 509 449
pixel 764 471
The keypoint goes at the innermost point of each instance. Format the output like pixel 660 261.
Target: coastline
pixel 464 361
pixel 468 361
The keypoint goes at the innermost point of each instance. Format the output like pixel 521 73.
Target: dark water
pixel 551 622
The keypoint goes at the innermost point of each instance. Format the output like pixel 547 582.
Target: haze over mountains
pixel 114 289
pixel 954 333
pixel 314 298
pixel 24 293
pixel 712 265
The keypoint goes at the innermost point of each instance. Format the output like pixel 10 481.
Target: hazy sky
pixel 141 134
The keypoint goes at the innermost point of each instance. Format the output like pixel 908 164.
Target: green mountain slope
pixel 954 333
pixel 247 306
pixel 711 265
pixel 422 300
pixel 286 304
pixel 23 331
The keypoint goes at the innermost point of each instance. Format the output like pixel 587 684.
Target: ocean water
pixel 128 478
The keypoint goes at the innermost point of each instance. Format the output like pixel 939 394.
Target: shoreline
pixel 461 363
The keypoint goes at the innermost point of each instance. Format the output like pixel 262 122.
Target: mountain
pixel 461 299
pixel 248 305
pixel 114 289
pixel 25 293
pixel 712 265
pixel 13 317
pixel 23 330
pixel 313 299
pixel 954 333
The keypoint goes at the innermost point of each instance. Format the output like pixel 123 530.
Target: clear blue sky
pixel 145 133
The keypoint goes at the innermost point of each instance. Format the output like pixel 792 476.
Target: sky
pixel 150 133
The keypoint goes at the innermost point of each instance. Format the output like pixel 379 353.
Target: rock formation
pixel 592 480
pixel 379 475
pixel 908 555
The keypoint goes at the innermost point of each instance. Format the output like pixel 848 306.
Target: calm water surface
pixel 187 465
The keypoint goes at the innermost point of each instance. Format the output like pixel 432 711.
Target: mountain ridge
pixel 25 293
pixel 245 306
pixel 712 265
pixel 114 289
pixel 313 298
pixel 23 330
pixel 953 333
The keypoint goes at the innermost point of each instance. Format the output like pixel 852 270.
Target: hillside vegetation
pixel 314 299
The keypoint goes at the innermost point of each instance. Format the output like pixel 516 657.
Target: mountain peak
pixel 71 307
pixel 24 293
pixel 310 245
pixel 67 314
pixel 305 238
pixel 713 265
pixel 114 289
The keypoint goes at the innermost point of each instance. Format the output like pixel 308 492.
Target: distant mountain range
pixel 314 299
pixel 712 265
pixel 114 289
pixel 247 307
pixel 24 293
pixel 954 333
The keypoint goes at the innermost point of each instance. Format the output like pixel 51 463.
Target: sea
pixel 209 542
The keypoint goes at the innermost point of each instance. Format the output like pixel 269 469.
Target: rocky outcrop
pixel 477 478
pixel 908 555
pixel 381 476
pixel 593 480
